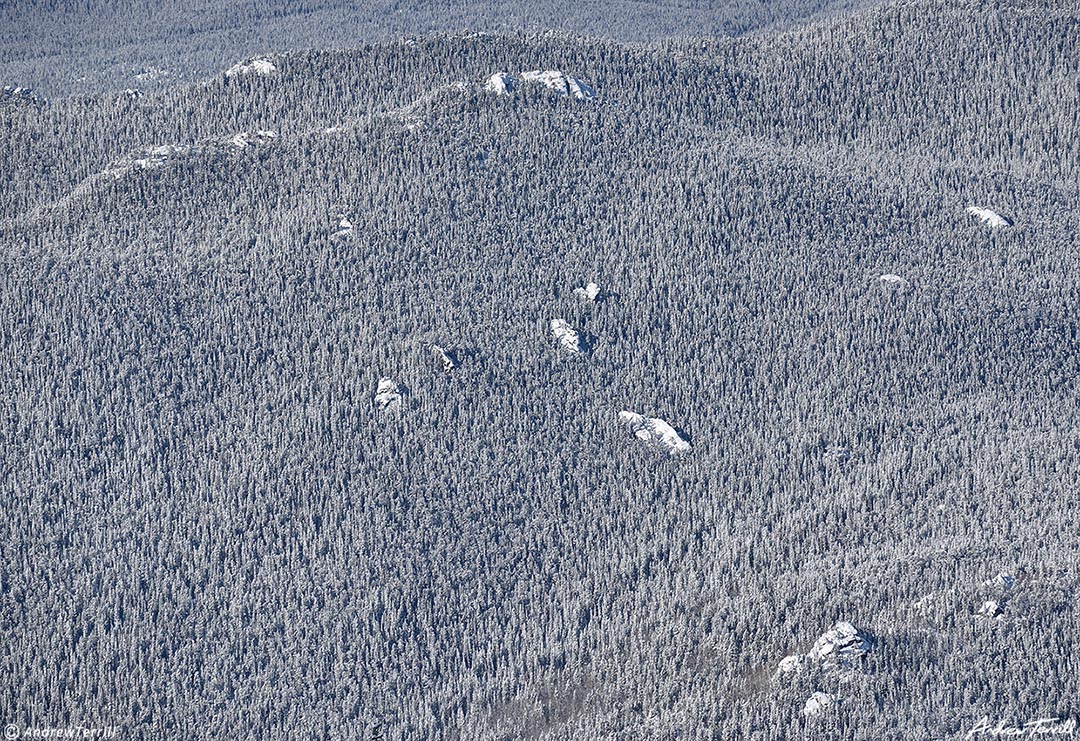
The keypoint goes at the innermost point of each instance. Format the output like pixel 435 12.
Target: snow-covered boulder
pixel 388 394
pixel 991 609
pixel 891 280
pixel 567 336
pixel 257 66
pixel 992 219
pixel 444 358
pixel 841 644
pixel 159 156
pixel 344 230
pixel 245 139
pixel 560 82
pixel 656 432
pixel 817 702
pixel 590 292
pixel 789 664
pixel 501 83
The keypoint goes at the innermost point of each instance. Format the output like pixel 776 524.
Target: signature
pixel 1040 727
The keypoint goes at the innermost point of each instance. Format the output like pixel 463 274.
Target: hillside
pixel 64 48
pixel 866 392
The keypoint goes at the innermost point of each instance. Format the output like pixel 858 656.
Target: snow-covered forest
pixel 528 385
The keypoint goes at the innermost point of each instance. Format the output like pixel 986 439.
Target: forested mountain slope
pixel 225 530
pixel 68 47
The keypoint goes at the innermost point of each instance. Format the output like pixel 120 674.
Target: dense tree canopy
pixel 211 525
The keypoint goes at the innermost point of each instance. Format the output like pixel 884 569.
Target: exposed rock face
pixel 840 646
pixel 501 83
pixel 560 82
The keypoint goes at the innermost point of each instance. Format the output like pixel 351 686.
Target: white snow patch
pixel 560 82
pixel 991 609
pixel 566 335
pixel 258 66
pixel 388 394
pixel 590 292
pixel 501 83
pixel 817 702
pixel 892 281
pixel 992 219
pixel 656 432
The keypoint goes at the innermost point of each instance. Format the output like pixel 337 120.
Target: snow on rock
pixel 158 156
pixel 388 394
pixel 501 83
pixel 258 66
pixel 345 229
pixel 840 645
pixel 990 218
pixel 566 335
pixel 656 432
pixel 152 74
pixel 561 83
pixel 14 95
pixel 817 702
pixel 1002 580
pixel 590 292
pixel 891 280
pixel 444 357
pixel 991 609
pixel 789 664
pixel 245 138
